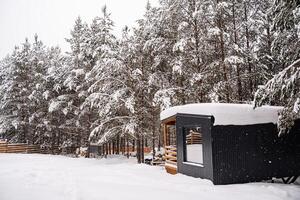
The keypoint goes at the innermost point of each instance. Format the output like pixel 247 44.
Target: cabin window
pixel 193 145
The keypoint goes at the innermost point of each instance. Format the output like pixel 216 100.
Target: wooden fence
pixel 19 148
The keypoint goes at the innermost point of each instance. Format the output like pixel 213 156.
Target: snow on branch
pixel 285 85
pixel 284 89
pixel 103 131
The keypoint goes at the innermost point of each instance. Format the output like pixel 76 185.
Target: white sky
pixel 52 20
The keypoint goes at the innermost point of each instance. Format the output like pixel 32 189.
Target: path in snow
pixel 48 177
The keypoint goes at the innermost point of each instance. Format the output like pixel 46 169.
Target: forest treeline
pixel 182 51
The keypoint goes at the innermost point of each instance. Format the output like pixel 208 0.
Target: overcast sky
pixel 53 19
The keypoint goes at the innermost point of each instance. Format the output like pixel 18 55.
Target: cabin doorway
pixel 170 145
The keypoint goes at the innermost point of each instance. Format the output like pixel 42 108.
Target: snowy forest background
pixel 183 51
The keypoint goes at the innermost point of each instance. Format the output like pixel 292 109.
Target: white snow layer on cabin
pixel 227 114
pixel 50 177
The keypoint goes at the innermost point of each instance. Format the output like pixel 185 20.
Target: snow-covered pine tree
pixel 250 53
pixel 146 76
pixel 32 80
pixel 8 118
pixel 50 118
pixel 283 88
pixel 38 104
pixel 113 97
pixel 266 59
pixel 80 63
pixel 192 52
pixel 15 92
pixel 105 86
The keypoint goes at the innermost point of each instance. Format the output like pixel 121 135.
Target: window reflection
pixel 193 145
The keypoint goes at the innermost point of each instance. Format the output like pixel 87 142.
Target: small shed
pixel 229 143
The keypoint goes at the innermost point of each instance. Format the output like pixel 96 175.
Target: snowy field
pixel 47 177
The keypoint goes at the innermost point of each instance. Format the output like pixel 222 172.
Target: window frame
pixel 186 129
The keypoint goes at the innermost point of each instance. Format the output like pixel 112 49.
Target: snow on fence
pixel 19 148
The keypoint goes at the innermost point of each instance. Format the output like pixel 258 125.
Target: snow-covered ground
pixel 47 177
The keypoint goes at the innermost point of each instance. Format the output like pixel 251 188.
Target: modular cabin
pixel 229 143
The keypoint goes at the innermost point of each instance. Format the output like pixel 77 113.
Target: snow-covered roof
pixel 228 114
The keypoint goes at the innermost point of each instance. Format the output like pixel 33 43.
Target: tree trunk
pixel 248 51
pixel 159 139
pixel 220 24
pixel 113 147
pixel 127 146
pixel 102 150
pixel 133 145
pixel 106 150
pixel 142 150
pixel 153 141
pixel 239 82
pixel 138 150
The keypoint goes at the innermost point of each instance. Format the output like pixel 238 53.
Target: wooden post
pixel 165 135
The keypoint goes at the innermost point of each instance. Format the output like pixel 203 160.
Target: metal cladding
pixel 239 153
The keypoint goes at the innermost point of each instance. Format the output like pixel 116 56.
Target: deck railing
pixel 171 159
pixel 193 138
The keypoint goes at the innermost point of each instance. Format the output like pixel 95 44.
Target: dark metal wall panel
pixel 253 153
pixel 185 120
pixel 94 149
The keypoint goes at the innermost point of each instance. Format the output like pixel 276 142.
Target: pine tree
pixel 15 102
pixel 283 88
